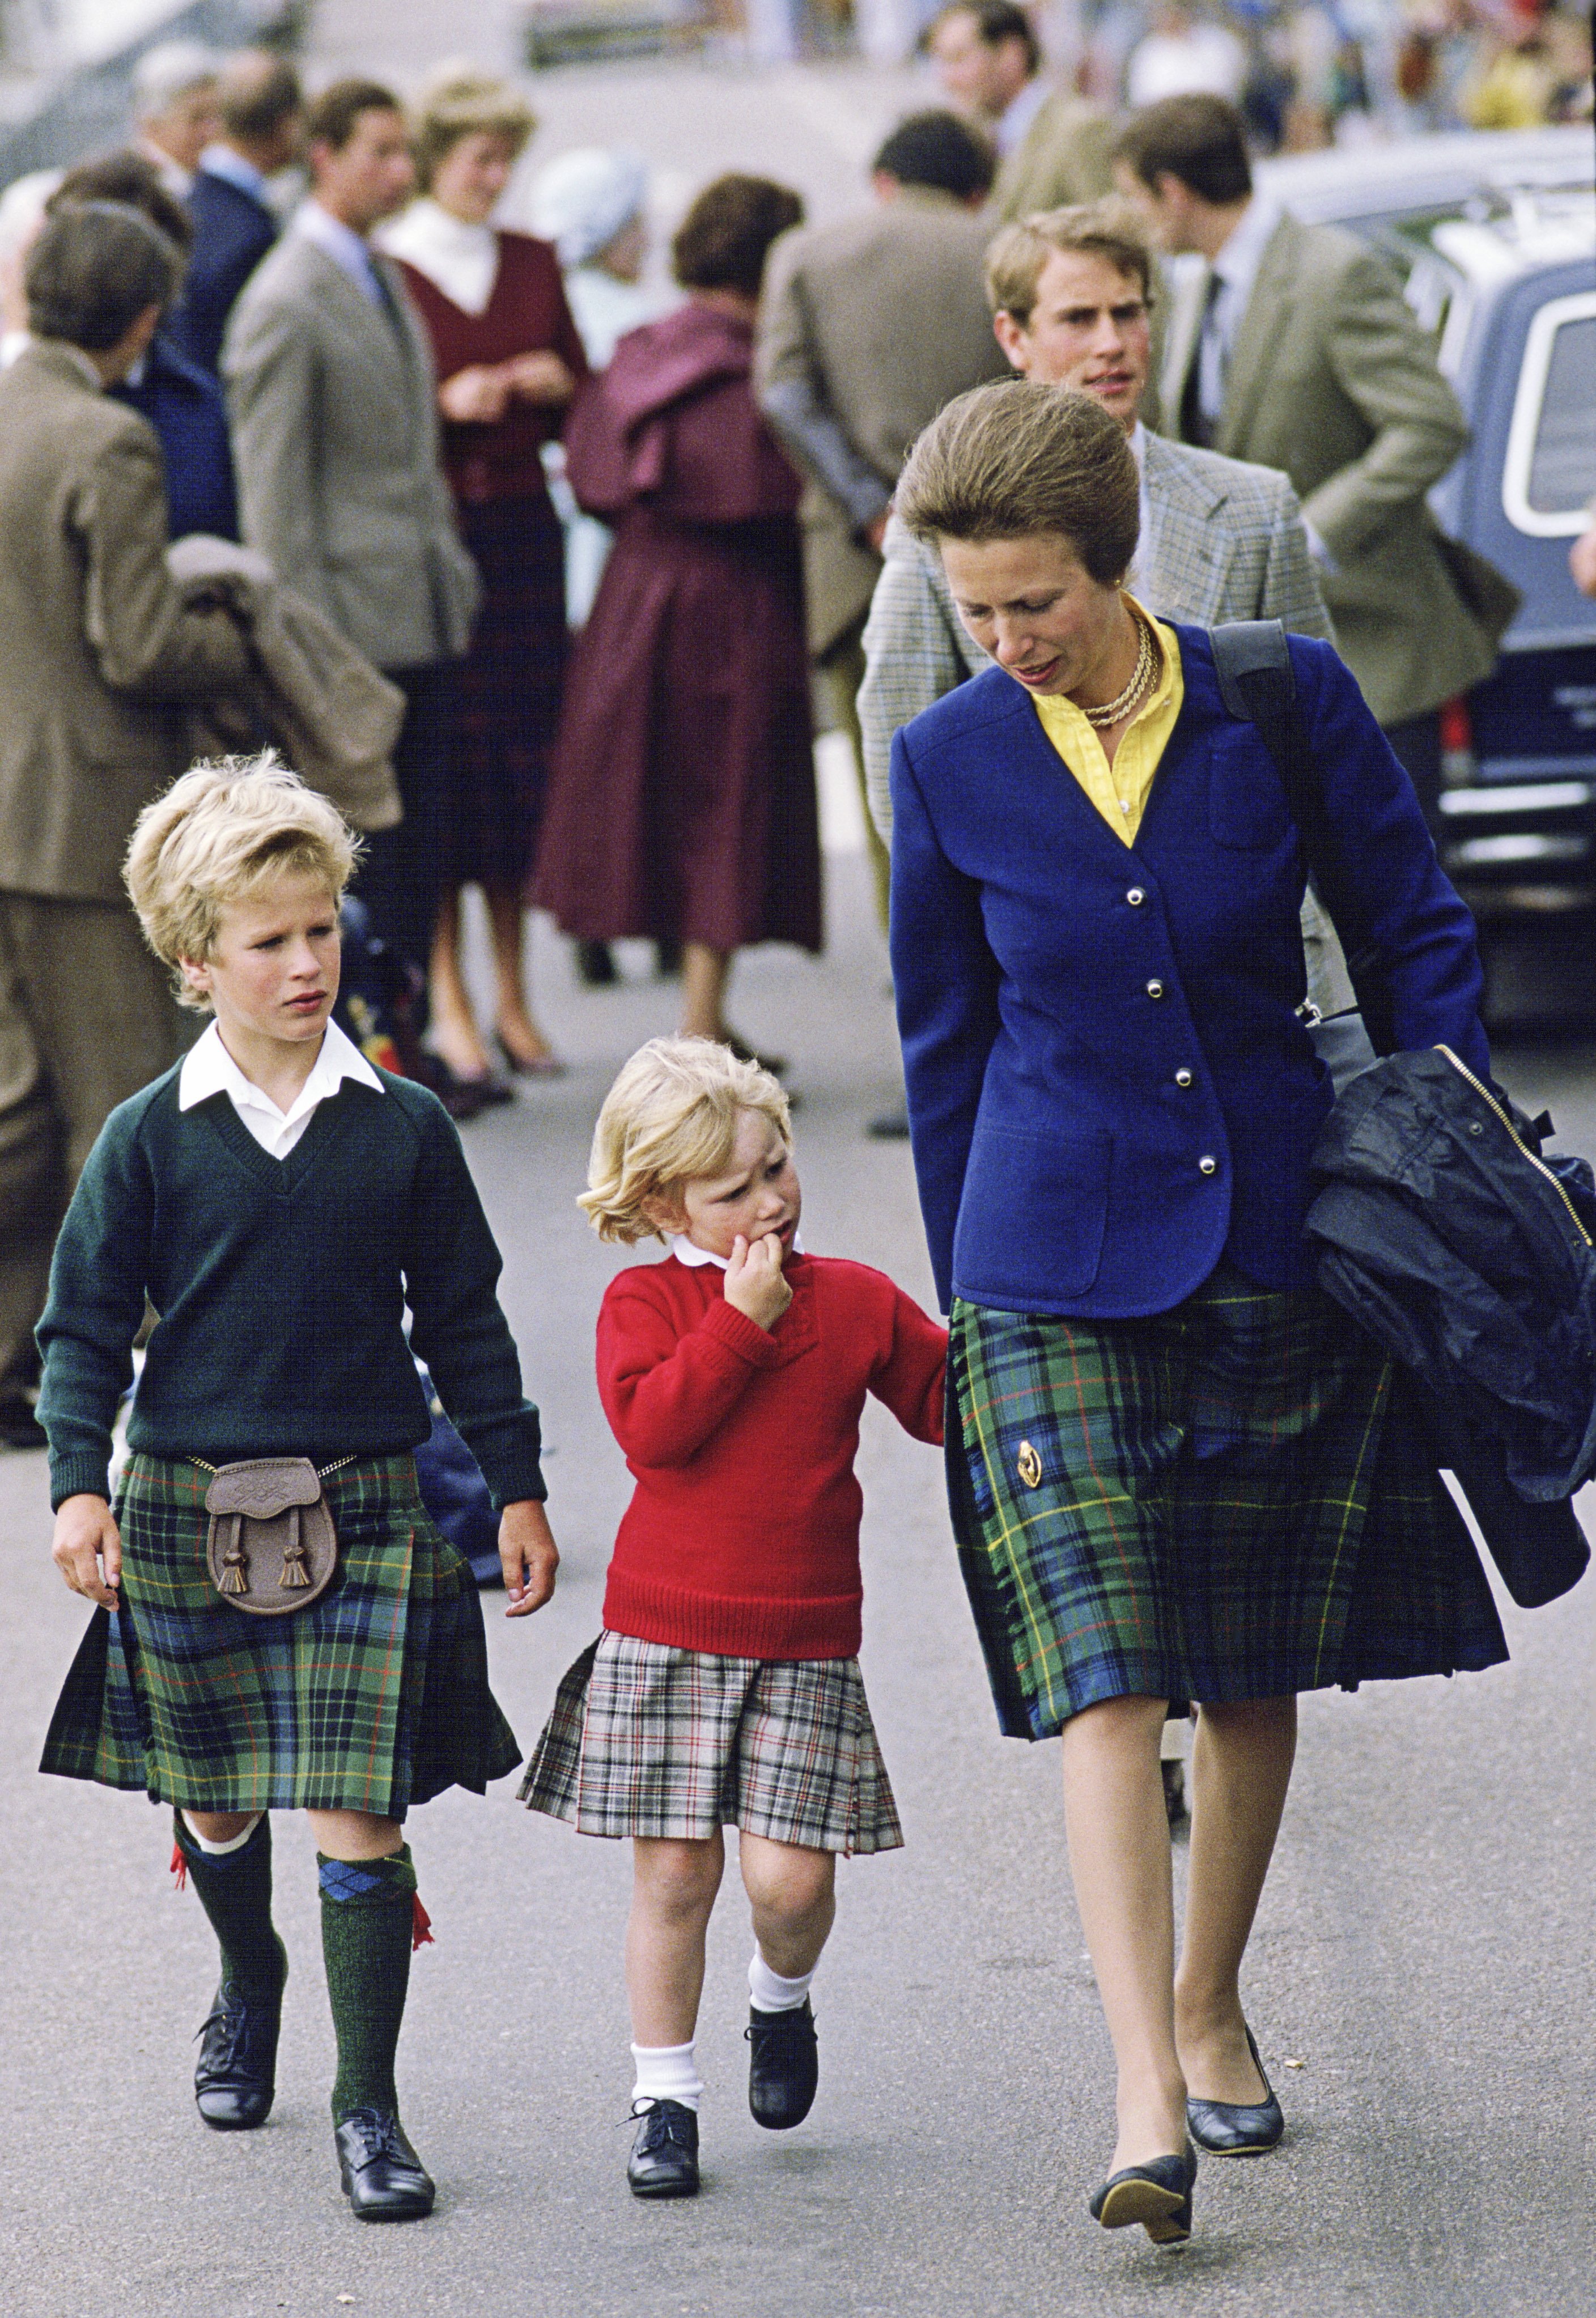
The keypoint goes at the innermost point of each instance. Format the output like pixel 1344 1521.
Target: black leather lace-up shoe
pixel 784 2066
pixel 383 2179
pixel 236 2075
pixel 664 2160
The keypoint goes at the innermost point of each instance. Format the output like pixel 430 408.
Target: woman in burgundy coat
pixel 682 800
pixel 509 358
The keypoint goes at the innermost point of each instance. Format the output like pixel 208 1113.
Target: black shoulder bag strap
pixel 1257 685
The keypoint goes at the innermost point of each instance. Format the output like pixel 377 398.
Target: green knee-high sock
pixel 235 1890
pixel 367 1915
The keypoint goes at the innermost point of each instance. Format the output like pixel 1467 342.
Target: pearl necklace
pixel 1142 678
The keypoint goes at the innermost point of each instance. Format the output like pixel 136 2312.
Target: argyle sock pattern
pixel 367 1919
pixel 235 1890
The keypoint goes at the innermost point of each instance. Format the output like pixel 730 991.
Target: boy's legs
pixel 228 1856
pixel 674 1888
pixel 792 1896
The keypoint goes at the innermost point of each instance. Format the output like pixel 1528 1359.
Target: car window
pixel 1549 474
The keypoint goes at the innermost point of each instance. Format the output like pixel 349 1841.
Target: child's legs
pixel 355 1834
pixel 793 1895
pixel 673 1889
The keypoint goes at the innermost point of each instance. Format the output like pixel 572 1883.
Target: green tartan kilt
pixel 1225 1501
pixel 373 1698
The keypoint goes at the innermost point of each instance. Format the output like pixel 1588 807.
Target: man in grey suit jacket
pixel 98 658
pixel 868 327
pixel 1293 346
pixel 331 388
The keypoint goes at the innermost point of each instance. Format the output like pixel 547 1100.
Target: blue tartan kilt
pixel 371 1699
pixel 1226 1501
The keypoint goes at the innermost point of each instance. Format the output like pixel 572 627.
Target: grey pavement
pixel 1420 1981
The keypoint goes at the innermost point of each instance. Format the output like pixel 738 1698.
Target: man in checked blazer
pixel 334 403
pixel 1293 345
pixel 1071 290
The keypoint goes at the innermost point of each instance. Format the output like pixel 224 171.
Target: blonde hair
pixel 670 1116
pixel 1109 228
pixel 218 835
pixel 460 102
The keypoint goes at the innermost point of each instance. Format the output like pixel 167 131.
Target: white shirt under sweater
pixel 209 1069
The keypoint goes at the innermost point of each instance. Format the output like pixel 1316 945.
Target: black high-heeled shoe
pixel 1157 2194
pixel 1237 2128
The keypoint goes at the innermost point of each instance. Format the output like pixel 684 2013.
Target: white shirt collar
pixel 341 243
pixel 222 161
pixel 1012 126
pixel 1238 262
pixel 209 1069
pixel 461 259
pixel 694 1258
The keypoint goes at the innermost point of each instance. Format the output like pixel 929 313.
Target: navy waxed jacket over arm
pixel 1109 1089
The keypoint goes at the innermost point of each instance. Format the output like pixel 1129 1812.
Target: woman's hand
pixel 756 1284
pixel 477 396
pixel 539 378
pixel 527 1555
pixel 86 1542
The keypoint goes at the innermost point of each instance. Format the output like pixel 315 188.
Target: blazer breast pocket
pixel 1246 797
pixel 1031 1215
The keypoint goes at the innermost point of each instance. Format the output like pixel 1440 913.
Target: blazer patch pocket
pixel 1032 1215
pixel 1246 800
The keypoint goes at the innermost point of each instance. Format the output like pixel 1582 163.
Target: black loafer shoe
pixel 383 2179
pixel 236 2075
pixel 784 2066
pixel 1157 2194
pixel 1237 2128
pixel 664 2160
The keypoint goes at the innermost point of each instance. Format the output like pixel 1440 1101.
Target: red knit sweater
pixel 742 1536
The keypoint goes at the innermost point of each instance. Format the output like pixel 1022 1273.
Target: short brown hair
pixel 332 120
pixel 722 242
pixel 127 178
pixel 1200 139
pixel 995 22
pixel 455 105
pixel 1108 230
pixel 257 93
pixel 1010 461
pixel 96 267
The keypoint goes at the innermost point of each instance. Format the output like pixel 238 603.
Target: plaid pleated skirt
pixel 373 1698
pixel 646 1739
pixel 1226 1501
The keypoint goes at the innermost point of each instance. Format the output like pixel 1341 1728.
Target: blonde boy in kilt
pixel 725 1686
pixel 279 1203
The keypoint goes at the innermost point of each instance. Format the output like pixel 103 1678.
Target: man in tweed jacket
pixel 1220 539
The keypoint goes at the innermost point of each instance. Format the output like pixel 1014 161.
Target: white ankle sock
pixel 666 2072
pixel 220 1850
pixel 770 1992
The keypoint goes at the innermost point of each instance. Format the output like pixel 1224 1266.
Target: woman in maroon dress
pixel 682 799
pixel 509 358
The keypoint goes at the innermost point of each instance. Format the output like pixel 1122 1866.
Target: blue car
pixel 1495 235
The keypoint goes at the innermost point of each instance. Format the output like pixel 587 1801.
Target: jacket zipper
pixel 1489 1098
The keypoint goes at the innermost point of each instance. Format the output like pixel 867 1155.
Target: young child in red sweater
pixel 725 1685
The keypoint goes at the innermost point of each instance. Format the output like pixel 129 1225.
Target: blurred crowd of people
pixel 534 567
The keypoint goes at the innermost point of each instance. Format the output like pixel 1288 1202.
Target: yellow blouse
pixel 1119 790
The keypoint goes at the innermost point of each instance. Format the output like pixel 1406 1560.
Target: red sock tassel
pixel 179 1867
pixel 420 1926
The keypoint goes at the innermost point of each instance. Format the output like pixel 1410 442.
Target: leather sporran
pixel 272 1548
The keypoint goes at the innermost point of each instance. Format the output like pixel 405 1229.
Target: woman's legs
pixel 673 1889
pixel 1118 1834
pixel 454 1032
pixel 506 917
pixel 704 972
pixel 793 1895
pixel 1240 1767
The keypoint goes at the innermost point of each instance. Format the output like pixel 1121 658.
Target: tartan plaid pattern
pixel 646 1739
pixel 1218 1502
pixel 372 1698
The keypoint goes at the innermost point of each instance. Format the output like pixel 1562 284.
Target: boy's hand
pixel 87 1542
pixel 528 1556
pixel 756 1284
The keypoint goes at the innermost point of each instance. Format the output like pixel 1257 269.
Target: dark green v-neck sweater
pixel 280 1286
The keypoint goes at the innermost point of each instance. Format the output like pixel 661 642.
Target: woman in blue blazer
pixel 1177 1469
